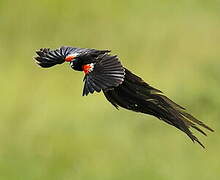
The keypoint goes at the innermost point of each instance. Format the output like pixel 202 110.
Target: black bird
pixel 104 72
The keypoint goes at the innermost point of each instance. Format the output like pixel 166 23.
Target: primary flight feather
pixel 122 88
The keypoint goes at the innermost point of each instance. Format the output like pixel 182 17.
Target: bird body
pixel 122 88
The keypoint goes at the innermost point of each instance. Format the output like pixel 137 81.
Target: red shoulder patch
pixel 88 68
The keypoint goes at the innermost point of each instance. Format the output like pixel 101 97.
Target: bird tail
pixel 136 95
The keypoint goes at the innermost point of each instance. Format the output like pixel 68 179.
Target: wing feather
pixel 107 73
pixel 48 58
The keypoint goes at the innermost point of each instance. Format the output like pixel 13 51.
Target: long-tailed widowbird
pixel 104 72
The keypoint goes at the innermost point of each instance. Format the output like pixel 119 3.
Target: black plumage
pixel 122 88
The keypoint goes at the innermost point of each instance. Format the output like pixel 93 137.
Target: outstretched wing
pixel 106 72
pixel 47 58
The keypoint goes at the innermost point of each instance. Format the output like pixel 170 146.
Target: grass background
pixel 49 131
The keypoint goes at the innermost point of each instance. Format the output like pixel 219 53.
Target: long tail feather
pixel 136 95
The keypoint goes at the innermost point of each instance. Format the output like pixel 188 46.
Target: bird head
pixel 75 60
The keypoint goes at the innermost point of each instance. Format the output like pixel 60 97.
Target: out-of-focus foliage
pixel 49 131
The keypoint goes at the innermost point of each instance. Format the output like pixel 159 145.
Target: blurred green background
pixel 49 131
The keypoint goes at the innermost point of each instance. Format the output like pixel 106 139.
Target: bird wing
pixel 47 58
pixel 106 72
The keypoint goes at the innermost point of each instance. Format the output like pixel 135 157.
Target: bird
pixel 122 88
